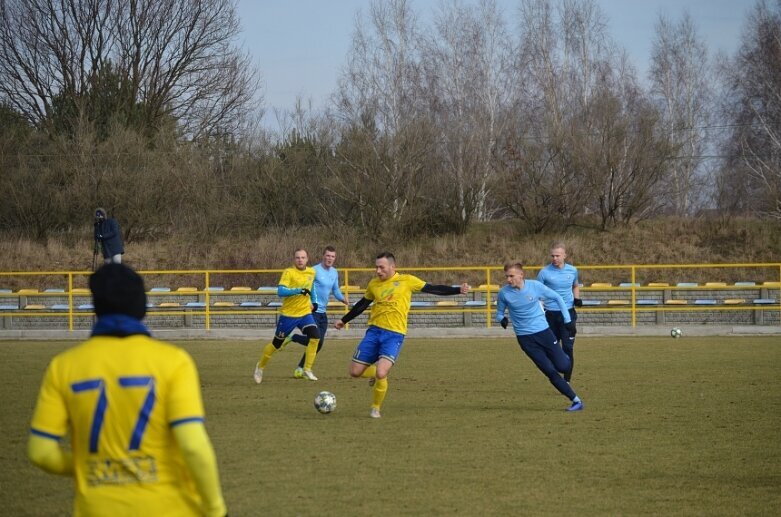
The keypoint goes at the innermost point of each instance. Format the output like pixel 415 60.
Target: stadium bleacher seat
pixel 267 289
pixel 658 284
pixel 54 290
pixel 34 307
pixel 676 302
pixel 250 304
pixel 446 303
pixel 5 291
pixel 60 307
pixel 160 290
pixel 214 288
pixel 27 291
pixel 687 284
pixel 168 305
pixel 771 284
pixel 224 304
pixel 8 307
pixel 628 284
pixel 187 290
pixel 601 284
pixel 275 304
pixel 734 301
pixel 764 301
pixel 86 307
pixel 715 284
pixel 419 303
pixel 705 302
pixel 195 304
pixel 618 302
pixel 647 302
pixel 745 284
pixel 474 303
pixel 240 288
pixel 591 303
pixel 486 287
pixel 76 291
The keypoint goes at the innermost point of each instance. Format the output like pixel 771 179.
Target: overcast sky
pixel 301 45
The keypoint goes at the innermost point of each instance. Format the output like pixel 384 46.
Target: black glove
pixel 314 307
pixel 578 302
pixel 504 322
pixel 571 329
pixel 305 291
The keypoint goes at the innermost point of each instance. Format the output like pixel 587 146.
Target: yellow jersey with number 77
pixel 118 398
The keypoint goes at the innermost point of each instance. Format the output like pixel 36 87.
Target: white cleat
pixel 258 375
pixel 375 413
pixel 308 375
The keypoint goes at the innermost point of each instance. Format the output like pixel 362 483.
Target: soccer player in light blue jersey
pixel 326 284
pixel 520 298
pixel 562 278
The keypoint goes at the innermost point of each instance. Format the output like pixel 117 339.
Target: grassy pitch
pixel 689 426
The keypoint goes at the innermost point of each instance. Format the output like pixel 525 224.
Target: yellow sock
pixel 311 353
pixel 370 372
pixel 378 394
pixel 268 351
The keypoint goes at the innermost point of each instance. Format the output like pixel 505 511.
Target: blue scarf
pixel 118 325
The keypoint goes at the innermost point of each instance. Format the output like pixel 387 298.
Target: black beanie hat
pixel 117 289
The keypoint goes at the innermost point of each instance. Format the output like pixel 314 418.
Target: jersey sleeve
pixel 415 283
pixel 50 417
pixel 285 279
pixel 184 398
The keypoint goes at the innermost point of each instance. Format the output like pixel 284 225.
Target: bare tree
pixel 751 178
pixel 681 86
pixel 168 62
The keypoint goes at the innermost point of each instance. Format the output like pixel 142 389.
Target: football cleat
pixel 258 375
pixel 375 413
pixel 298 373
pixel 286 341
pixel 308 375
pixel 576 406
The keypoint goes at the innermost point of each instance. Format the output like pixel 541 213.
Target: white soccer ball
pixel 325 402
pixel 676 332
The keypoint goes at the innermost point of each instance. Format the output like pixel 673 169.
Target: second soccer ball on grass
pixel 676 332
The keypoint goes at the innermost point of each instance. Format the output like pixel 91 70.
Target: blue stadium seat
pixel 420 304
pixel 54 290
pixel 275 304
pixel 647 302
pixel 628 284
pixel 687 284
pixel 745 284
pixel 8 307
pixel 89 307
pixel 60 307
pixel 591 303
pixel 705 302
pixel 250 304
pixel 195 304
pixel 474 303
pixel 213 288
pixel 764 301
pixel 160 290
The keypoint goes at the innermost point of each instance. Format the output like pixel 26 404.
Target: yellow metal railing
pixel 485 280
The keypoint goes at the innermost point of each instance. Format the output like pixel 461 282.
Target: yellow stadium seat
pixel 486 287
pixel 675 302
pixel 80 290
pixel 447 303
pixel 28 291
pixel 34 307
pixel 734 301
pixel 618 302
pixel 224 304
pixel 187 290
pixel 601 284
pixel 658 284
pixel 169 304
pixel 771 284
pixel 715 284
pixel 241 288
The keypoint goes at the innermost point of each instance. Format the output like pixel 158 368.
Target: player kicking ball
pixel 391 295
pixel 521 299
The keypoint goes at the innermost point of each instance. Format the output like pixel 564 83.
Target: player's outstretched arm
pixel 200 459
pixel 357 309
pixel 47 454
pixel 446 290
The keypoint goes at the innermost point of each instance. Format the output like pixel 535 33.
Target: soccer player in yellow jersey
pixel 299 301
pixel 391 294
pixel 132 407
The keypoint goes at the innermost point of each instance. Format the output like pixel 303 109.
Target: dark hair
pixel 513 265
pixel 329 248
pixel 117 289
pixel 387 255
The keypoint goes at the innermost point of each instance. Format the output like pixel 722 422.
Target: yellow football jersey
pixel 297 306
pixel 392 299
pixel 118 398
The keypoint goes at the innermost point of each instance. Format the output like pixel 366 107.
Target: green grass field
pixel 469 427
